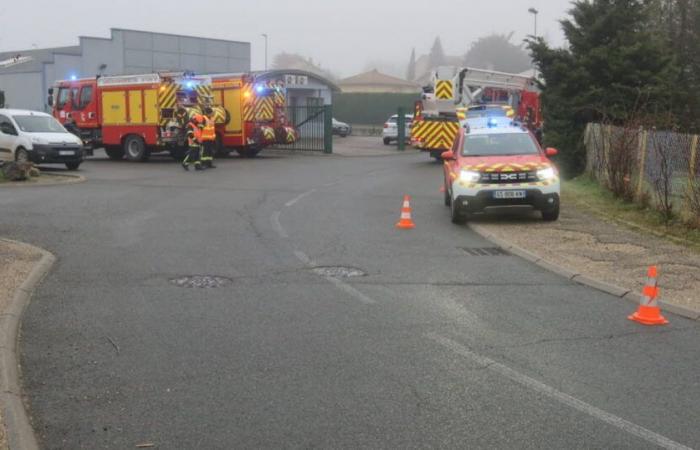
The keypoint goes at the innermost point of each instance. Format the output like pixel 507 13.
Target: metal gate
pixel 314 125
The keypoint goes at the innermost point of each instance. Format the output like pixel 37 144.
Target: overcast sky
pixel 343 35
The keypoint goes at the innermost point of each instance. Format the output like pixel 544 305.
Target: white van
pixel 39 138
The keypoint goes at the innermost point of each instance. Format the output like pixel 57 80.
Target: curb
pixel 579 278
pixel 75 179
pixel 20 434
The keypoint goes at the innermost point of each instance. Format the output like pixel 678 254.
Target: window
pixel 39 124
pixel 499 144
pixel 63 94
pixel 85 97
pixel 7 127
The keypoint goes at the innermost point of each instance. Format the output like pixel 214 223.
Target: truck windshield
pixel 39 124
pixel 499 144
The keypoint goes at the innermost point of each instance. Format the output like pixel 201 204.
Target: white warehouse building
pixel 25 76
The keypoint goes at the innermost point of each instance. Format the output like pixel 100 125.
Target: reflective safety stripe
pixel 405 215
pixel 435 134
pixel 443 90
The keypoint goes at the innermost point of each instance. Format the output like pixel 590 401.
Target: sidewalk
pixel 366 146
pixel 604 251
pixel 16 262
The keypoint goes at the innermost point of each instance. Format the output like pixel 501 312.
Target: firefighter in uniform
pixel 208 138
pixel 194 143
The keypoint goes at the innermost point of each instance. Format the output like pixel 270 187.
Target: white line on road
pixel 275 219
pixel 559 396
pixel 300 197
pixel 351 291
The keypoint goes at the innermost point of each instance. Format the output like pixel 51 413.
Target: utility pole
pixel 266 39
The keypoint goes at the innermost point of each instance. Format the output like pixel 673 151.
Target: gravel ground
pixel 16 262
pixel 605 251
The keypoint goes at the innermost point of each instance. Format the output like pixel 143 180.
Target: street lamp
pixel 266 38
pixel 534 12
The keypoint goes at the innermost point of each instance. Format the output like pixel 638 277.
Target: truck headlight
pixel 469 176
pixel 39 141
pixel 546 174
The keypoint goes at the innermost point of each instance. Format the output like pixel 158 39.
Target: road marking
pixel 275 219
pixel 559 396
pixel 351 291
pixel 300 197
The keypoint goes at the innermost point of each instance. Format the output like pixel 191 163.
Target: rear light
pixel 386 125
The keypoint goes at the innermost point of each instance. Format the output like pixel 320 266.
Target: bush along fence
pixel 652 167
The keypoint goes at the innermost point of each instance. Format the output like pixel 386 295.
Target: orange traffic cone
pixel 406 223
pixel 649 312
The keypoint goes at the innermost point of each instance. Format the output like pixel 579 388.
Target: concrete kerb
pixel 576 277
pixel 20 434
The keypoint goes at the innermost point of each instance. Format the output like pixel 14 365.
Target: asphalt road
pixel 434 347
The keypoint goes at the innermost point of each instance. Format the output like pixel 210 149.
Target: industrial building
pixel 25 76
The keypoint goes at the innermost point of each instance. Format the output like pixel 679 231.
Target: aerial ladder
pixel 453 90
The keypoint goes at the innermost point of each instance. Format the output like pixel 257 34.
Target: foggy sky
pixel 343 35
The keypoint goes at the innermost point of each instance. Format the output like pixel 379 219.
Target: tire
pixel 248 152
pixel 343 135
pixel 448 197
pixel 458 218
pixel 22 155
pixel 73 165
pixel 114 153
pixel 135 149
pixel 551 215
pixel 387 141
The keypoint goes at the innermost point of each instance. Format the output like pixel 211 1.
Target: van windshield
pixel 39 124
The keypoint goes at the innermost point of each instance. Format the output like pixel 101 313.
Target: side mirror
pixel 448 155
pixel 551 151
pixel 6 128
pixel 49 100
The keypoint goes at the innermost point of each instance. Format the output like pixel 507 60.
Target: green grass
pixel 589 195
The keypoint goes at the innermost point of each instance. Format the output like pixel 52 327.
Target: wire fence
pixel 652 167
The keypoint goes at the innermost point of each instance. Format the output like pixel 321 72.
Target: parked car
pixel 341 129
pixel 32 136
pixel 390 132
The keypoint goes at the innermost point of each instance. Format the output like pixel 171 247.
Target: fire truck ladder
pixel 479 79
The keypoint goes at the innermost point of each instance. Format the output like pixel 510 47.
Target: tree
pixel 614 66
pixel 437 54
pixel 496 52
pixel 411 70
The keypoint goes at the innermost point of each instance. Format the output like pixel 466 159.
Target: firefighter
pixel 194 143
pixel 208 138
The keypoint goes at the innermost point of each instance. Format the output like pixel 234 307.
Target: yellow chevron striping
pixel 443 90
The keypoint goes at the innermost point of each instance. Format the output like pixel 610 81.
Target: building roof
pixel 38 58
pixel 378 79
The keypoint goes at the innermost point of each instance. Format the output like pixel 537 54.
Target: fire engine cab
pixel 497 164
pixel 132 115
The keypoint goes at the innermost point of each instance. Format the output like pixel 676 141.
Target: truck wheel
pixel 135 149
pixel 458 218
pixel 21 155
pixel 551 215
pixel 114 153
pixel 248 152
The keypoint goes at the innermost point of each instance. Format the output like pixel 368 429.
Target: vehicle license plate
pixel 509 194
pixel 66 152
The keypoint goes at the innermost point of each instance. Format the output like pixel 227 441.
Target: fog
pixel 343 36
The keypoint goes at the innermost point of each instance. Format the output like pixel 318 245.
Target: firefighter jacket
pixel 208 130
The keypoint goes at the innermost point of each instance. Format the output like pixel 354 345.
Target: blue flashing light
pixel 492 123
pixel 73 77
pixel 189 84
pixel 259 89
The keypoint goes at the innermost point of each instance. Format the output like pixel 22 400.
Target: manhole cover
pixel 200 281
pixel 486 251
pixel 338 272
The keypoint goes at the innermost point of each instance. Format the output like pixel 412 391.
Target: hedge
pixel 370 109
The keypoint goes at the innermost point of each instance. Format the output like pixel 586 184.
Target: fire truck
pixel 453 91
pixel 132 115
pixel 255 113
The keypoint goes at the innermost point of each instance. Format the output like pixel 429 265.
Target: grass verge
pixel 587 194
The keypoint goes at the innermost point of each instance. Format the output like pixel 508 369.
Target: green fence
pixel 370 109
